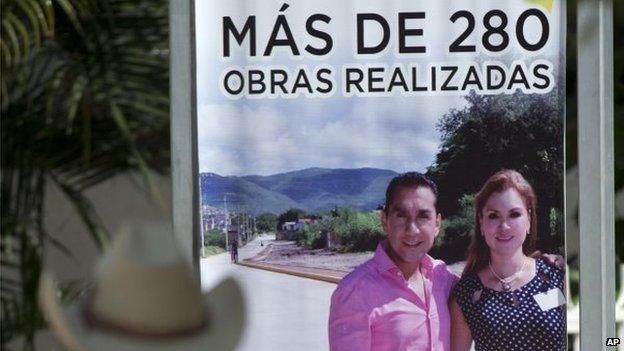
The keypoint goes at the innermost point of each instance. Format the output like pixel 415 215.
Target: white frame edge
pixel 184 163
pixel 596 172
pixel 596 156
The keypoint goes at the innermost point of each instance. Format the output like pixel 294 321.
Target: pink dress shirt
pixel 373 308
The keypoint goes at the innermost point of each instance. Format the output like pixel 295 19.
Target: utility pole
pixel 201 230
pixel 227 219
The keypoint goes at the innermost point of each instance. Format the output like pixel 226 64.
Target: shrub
pixel 214 237
pixel 357 231
pixel 211 250
pixel 266 222
pixel 315 235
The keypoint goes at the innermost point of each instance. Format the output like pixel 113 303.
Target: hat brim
pixel 224 303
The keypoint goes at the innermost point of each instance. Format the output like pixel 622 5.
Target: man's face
pixel 411 223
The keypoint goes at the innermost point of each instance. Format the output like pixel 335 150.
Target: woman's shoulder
pixel 466 287
pixel 549 272
pixel 546 267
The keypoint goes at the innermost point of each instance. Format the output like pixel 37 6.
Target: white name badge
pixel 550 299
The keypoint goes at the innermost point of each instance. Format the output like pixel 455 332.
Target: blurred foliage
pixel 214 237
pixel 84 95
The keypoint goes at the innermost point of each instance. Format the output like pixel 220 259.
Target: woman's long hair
pixel 478 251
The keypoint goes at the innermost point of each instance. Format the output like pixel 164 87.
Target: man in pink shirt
pixel 398 299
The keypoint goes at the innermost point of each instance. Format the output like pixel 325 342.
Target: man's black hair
pixel 409 180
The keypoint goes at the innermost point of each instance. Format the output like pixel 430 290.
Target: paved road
pixel 283 312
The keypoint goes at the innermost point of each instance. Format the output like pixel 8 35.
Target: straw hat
pixel 146 298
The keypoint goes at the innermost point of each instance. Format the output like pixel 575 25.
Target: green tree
pixel 266 222
pixel 357 231
pixel 520 132
pixel 451 243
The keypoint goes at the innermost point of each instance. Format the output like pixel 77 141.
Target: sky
pixel 272 135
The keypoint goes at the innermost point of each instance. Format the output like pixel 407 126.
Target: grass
pixel 211 250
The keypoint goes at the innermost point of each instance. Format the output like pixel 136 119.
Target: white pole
pixel 184 161
pixel 227 220
pixel 596 201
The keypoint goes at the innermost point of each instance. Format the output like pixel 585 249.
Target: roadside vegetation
pixel 211 250
pixel 348 230
pixel 214 242
pixel 266 222
pixel 214 237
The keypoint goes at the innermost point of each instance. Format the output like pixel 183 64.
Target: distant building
pixel 307 220
pixel 212 218
pixel 289 229
pixel 292 226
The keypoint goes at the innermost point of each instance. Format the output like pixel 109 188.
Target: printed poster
pixel 306 111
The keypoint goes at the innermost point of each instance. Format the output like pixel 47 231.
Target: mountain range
pixel 310 189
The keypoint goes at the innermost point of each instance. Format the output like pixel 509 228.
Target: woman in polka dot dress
pixel 506 300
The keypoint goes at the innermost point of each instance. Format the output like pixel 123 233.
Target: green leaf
pixel 85 210
pixel 14 42
pixel 148 179
pixel 70 11
pixel 21 28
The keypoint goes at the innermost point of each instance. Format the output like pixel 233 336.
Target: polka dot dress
pixel 513 320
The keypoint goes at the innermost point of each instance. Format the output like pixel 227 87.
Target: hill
pixel 311 189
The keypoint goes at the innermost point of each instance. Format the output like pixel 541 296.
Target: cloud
pixel 237 139
pixel 267 136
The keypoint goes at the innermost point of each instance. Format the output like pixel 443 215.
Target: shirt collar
pixel 384 263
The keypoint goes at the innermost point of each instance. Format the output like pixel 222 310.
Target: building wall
pixel 117 201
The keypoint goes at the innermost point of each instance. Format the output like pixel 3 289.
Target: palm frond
pixel 89 217
pixel 83 96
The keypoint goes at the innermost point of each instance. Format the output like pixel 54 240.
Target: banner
pixel 315 119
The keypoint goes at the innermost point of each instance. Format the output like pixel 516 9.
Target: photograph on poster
pixel 411 153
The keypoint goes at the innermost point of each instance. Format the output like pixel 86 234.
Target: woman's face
pixel 505 221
